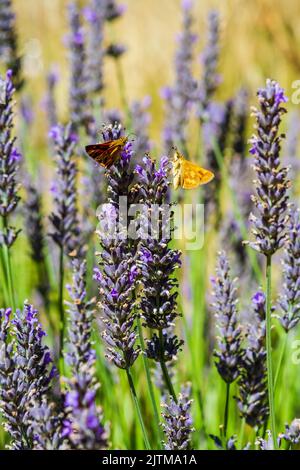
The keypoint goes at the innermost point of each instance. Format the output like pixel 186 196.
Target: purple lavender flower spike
pixel 178 423
pixel 271 199
pixel 292 432
pixel 9 162
pixel 289 300
pixel 116 263
pixel 83 427
pixel 9 43
pixel 210 58
pixel 180 97
pixel 95 16
pixel 50 101
pixel 79 102
pixel 66 233
pixel 140 122
pixel 228 354
pixel 253 395
pixel 25 372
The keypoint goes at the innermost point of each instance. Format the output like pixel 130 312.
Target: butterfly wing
pixel 193 175
pixel 106 153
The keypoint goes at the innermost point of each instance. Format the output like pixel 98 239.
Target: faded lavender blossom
pixel 230 444
pixel 83 428
pixel 177 421
pixel 271 185
pixel 8 42
pixel 228 354
pixel 9 162
pixel 289 300
pixel 253 394
pixel 50 101
pixel 210 78
pixel 64 219
pixel 117 274
pixel 25 372
pixel 292 432
pixel 79 102
pixel 239 125
pixel 115 50
pixel 180 96
pixel 157 261
pixel 26 110
pixel 215 139
pixel 112 10
pixel 36 235
pixel 95 15
pixel 140 122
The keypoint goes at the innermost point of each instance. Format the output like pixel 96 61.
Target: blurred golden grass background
pixel 260 38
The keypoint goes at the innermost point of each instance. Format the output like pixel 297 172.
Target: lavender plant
pixel 253 395
pixel 9 164
pixel 179 98
pixel 178 422
pixel 158 262
pixel 25 372
pixel 34 228
pixel 95 15
pixel 50 101
pixel 210 58
pixel 140 121
pixel 83 427
pixel 229 352
pixel 64 218
pixel 9 54
pixel 270 201
pixel 117 273
pixel 79 102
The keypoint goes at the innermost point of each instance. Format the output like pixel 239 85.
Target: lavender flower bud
pixel 253 393
pixel 65 217
pixel 271 184
pixel 115 50
pixel 9 160
pixel 45 425
pixel 83 428
pixel 8 42
pixel 168 350
pixel 34 222
pixel 80 105
pixel 178 423
pixel 229 340
pixel 210 58
pixel 180 97
pixel 289 300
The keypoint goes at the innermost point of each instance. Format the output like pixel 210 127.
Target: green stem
pixel 137 408
pixel 61 304
pixel 242 433
pixel 269 350
pixel 280 361
pixel 226 410
pixel 149 382
pixel 7 262
pixel 164 369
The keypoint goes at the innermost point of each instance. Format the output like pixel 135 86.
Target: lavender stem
pixel 269 350
pixel 7 261
pixel 61 306
pixel 164 368
pixel 137 407
pixel 226 410
pixel 149 380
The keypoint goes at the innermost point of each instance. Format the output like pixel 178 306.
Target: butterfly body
pixel 188 175
pixel 106 153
